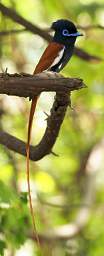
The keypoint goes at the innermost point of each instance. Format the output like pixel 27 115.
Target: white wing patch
pixel 58 58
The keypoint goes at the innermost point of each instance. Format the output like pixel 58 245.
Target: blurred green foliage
pixel 58 184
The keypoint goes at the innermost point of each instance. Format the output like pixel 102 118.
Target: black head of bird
pixel 65 32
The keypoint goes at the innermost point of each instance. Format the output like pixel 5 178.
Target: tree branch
pixel 36 30
pixel 25 85
pixel 53 126
pixel 29 85
pixel 86 56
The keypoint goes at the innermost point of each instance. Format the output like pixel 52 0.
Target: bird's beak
pixel 79 34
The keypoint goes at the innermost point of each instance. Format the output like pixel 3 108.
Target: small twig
pixel 54 154
pixel 5 72
pixel 97 26
pixel 12 31
pixel 47 116
pixel 61 206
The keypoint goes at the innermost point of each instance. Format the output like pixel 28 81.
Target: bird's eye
pixel 65 32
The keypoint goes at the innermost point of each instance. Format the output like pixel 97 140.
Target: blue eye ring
pixel 65 32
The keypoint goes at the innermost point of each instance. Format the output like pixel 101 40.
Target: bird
pixel 54 59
